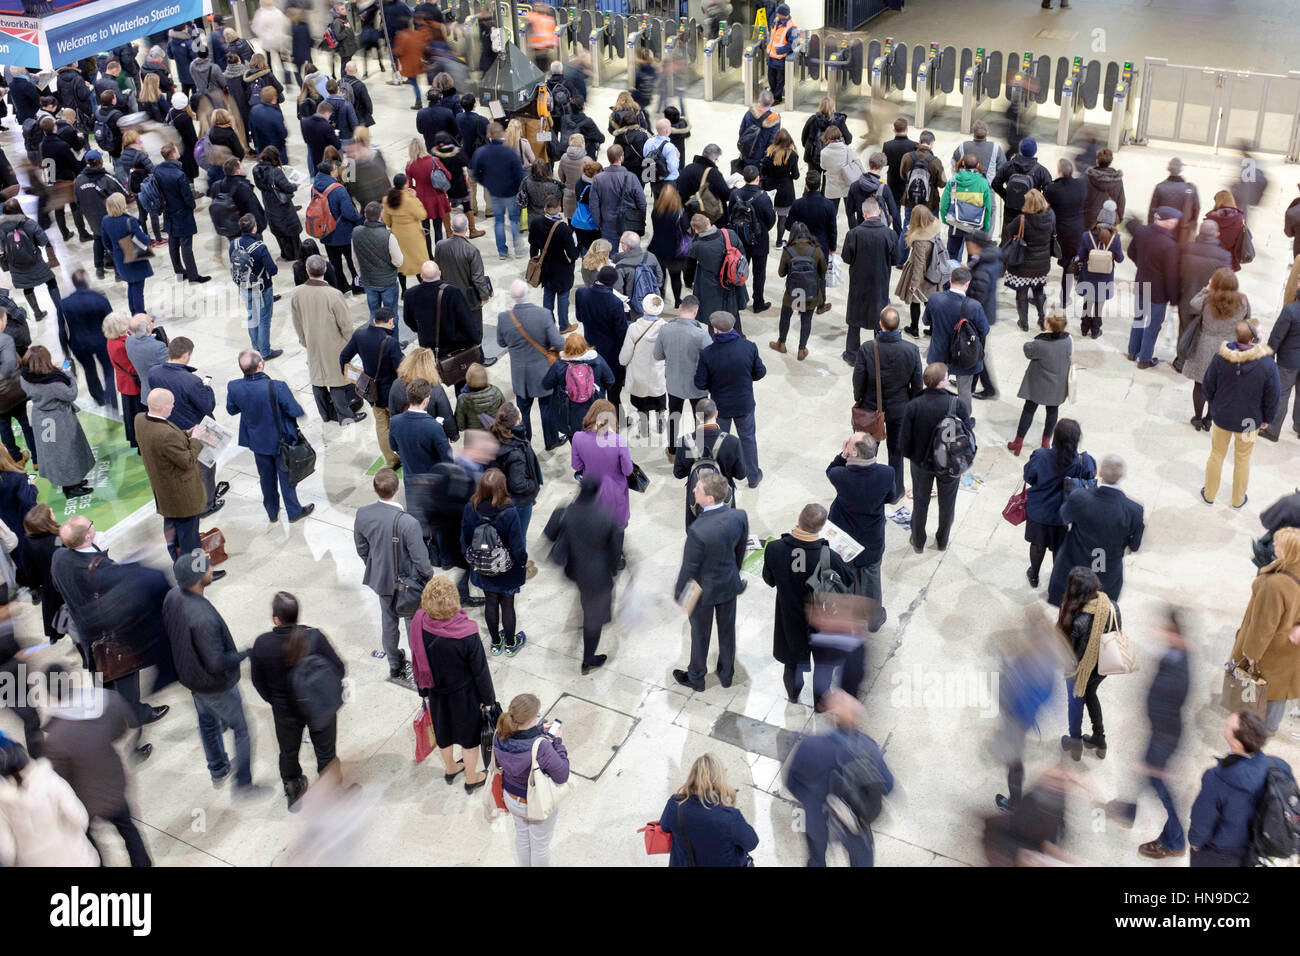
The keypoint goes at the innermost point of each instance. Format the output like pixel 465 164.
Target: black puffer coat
pixel 1040 227
pixel 280 214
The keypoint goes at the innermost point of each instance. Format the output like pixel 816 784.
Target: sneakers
pixel 496 647
pixel 515 644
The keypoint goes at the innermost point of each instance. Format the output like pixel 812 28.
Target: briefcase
pixel 452 368
pixel 213 543
pixel 114 659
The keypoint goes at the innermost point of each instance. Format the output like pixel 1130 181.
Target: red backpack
pixel 735 270
pixel 320 219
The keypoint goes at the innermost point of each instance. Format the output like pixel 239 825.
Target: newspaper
pixel 838 538
pixel 216 439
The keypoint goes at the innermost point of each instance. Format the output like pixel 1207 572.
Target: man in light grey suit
pixel 373 531
pixel 528 330
pixel 145 350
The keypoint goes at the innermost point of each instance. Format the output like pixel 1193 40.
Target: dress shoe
pixel 1197 422
pixel 913 330
pixel 218 575
pixel 490 360
pixel 358 417
pixel 1131 358
pixel 597 660
pixel 823 308
pixel 801 354
pixel 67 234
pixel 1155 850
pixel 199 280
pixel 1151 364
pixel 100 274
pixel 306 510
pixel 471 787
pixel 85 237
pixel 1033 578
pixel 725 682
pixel 682 678
pixel 777 347
pixel 984 394
pixel 143 752
pixel 273 354
pixel 919 549
pixel 760 307
pixel 476 233
pixel 155 714
pixel 293 792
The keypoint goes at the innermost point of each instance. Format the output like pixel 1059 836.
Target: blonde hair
pixel 130 138
pixel 597 255
pixel 521 711
pixel 361 136
pixel 150 88
pixel 419 363
pixel 1286 548
pixel 922 218
pixel 707 780
pixel 625 102
pixel 439 599
pixel 221 117
pixel 115 205
pixel 1224 199
pixel 416 150
pixel 577 139
pixel 1035 202
pixel 514 133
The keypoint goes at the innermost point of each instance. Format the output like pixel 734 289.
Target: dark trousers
pixel 701 633
pixel 290 244
pixel 758 275
pixel 853 341
pixel 19 414
pixel 135 296
pixel 1210 857
pixel 131 406
pixel 592 624
pixel 1027 418
pixel 136 850
pixel 549 435
pixel 776 79
pixel 288 733
pixel 104 393
pixel 1075 706
pixel 99 254
pixel 181 249
pixel 860 846
pixel 922 482
pixel 894 446
pixel 334 402
pixel 182 535
pixel 269 473
pixel 675 406
pixel 338 255
pixel 783 325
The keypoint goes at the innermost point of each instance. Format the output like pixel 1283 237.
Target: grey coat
pixel 462 266
pixel 372 533
pixel 65 455
pixel 679 345
pixel 8 356
pixel 1214 332
pixel 528 366
pixel 145 351
pixel 38 274
pixel 1047 378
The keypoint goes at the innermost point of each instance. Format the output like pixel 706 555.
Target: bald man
pixel 528 331
pixel 434 302
pixel 171 460
pixel 146 347
pixel 655 172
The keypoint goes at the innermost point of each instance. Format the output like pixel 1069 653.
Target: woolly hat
pixel 1107 215
pixel 1167 212
pixel 180 101
pixel 1028 147
pixel 652 305
pixel 607 275
pixel 190 568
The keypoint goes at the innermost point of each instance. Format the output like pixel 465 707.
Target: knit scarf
pixel 456 627
pixel 1101 610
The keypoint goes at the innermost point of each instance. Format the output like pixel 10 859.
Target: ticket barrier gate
pixel 888 73
pixel 642 31
pixel 753 64
pixel 1076 89
pixel 681 49
pixel 981 84
pixel 1118 96
pixel 843 62
pixel 607 48
pixel 723 58
pixel 934 72
pixel 1027 86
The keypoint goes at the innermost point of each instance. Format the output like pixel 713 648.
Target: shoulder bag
pixel 533 271
pixel 452 368
pixel 1014 511
pixel 1116 655
pixel 1013 250
pixel 296 457
pixel 407 588
pixel 685 837
pixel 367 387
pixel 872 421
pixel 113 657
pixel 637 481
pixel 544 794
pixel 551 355
pixel 629 219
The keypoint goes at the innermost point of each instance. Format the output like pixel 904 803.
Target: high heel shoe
pixel 1015 445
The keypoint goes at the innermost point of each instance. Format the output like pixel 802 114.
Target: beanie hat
pixel 1028 147
pixel 652 305
pixel 607 275
pixel 1107 215
pixel 190 568
pixel 180 101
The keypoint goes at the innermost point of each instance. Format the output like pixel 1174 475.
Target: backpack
pixel 106 136
pixel 150 195
pixel 32 136
pixel 801 277
pixel 825 583
pixel 1016 188
pixel 644 283
pixel 966 349
pixel 916 192
pixel 328 40
pixel 939 269
pixel 225 214
pixel 317 689
pixel 16 324
pixel 560 99
pixel 658 161
pixel 579 382
pixel 735 270
pixel 201 147
pixel 952 445
pixel 743 219
pixel 706 462
pixel 750 135
pixel 20 250
pixel 320 218
pixel 1275 830
pixel 243 264
pixel 856 793
pixel 439 178
pixel 487 553
pixel 581 218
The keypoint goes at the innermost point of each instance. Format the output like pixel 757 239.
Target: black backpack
pixel 952 444
pixel 966 350
pixel 225 214
pixel 1275 831
pixel 749 137
pixel 1016 188
pixel 106 134
pixel 916 191
pixel 317 689
pixel 857 792
pixel 656 160
pixel 561 98
pixel 801 278
pixel 32 137
pixel 16 323
pixel 706 462
pixel 19 247
pixel 743 220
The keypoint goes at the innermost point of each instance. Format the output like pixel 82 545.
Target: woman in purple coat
pixel 601 453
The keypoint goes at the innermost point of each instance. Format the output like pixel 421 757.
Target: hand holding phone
pixel 555 727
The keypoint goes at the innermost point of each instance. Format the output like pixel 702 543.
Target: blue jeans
pixel 745 425
pixel 135 296
pixel 259 303
pixel 385 297
pixel 956 244
pixel 549 435
pixel 549 300
pixel 859 846
pixel 268 472
pixel 1171 837
pixel 217 713
pixel 525 513
pixel 503 206
pixel 1142 338
pixel 415 82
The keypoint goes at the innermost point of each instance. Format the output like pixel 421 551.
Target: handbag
pixel 1244 248
pixel 407 588
pixel 871 420
pixel 296 457
pixel 1116 655
pixel 425 741
pixel 544 794
pixel 367 387
pixel 533 271
pixel 1014 511
pixel 213 543
pixel 490 717
pixel 113 658
pixel 11 393
pixel 637 480
pixel 1013 250
pixel 629 218
pixel 452 368
pixel 551 355
pixel 1244 688
pixel 657 839
pixel 1189 337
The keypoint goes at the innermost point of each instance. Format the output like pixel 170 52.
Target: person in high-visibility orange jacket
pixel 541 35
pixel 781 40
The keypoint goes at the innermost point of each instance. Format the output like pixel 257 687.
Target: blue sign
pixel 98 30
pixel 20 41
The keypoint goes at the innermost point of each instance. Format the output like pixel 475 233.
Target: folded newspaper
pixel 839 539
pixel 216 439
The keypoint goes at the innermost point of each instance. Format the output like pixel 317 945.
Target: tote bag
pixel 544 794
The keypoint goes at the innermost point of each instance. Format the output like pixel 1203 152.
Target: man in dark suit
pixel 604 325
pixel 84 310
pixel 251 399
pixel 727 370
pixel 380 353
pixel 1103 524
pixel 714 449
pixel 943 312
pixel 923 415
pixel 416 435
pixel 862 489
pixel 715 547
pixel 900 382
pixel 391 544
pixel 24 94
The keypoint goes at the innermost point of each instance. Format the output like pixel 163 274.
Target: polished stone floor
pixel 631 731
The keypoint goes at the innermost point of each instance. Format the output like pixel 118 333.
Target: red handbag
pixel 498 789
pixel 424 740
pixel 656 840
pixel 1015 509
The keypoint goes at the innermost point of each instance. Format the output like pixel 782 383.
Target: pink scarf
pixel 454 628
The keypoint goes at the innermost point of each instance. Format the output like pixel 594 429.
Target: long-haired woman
pixel 40 538
pixel 1046 474
pixel 65 455
pixel 420 362
pixel 405 215
pixel 1231 222
pixel 913 287
pixel 1086 614
pixel 670 237
pixel 1223 305
pixel 707 828
pixel 521 738
pixel 780 171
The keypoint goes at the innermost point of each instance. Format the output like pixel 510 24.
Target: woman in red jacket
pixel 116 329
pixel 1231 222
pixel 419 173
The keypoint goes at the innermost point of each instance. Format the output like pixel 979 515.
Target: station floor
pixel 630 730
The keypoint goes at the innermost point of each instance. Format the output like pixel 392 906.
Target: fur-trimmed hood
pixel 1231 352
pixel 774 120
